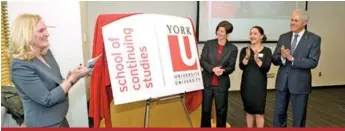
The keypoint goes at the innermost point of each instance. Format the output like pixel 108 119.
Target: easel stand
pixel 147 109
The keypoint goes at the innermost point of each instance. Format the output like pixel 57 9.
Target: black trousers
pixel 221 102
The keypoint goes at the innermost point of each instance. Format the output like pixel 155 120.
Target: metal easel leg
pixel 147 113
pixel 185 110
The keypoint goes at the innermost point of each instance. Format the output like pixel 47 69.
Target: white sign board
pixel 151 56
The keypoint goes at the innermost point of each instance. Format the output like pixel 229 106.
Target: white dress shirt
pixel 300 34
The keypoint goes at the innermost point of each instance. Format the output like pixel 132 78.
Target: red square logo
pixel 181 54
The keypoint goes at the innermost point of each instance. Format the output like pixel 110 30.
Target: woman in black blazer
pixel 218 60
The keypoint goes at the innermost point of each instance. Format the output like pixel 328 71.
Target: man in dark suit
pixel 297 52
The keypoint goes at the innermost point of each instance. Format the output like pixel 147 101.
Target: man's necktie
pixel 294 43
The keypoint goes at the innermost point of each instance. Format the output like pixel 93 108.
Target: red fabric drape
pixel 100 89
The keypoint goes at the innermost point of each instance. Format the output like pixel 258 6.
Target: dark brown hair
pixel 227 25
pixel 261 32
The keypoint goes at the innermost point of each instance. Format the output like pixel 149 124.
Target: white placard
pixel 151 56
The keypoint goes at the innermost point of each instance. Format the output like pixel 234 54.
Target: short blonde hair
pixel 21 42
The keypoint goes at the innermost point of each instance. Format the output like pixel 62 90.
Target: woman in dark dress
pixel 255 61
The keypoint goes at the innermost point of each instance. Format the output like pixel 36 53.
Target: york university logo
pixel 183 56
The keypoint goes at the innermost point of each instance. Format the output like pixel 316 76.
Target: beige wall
pixel 327 20
pixel 87 43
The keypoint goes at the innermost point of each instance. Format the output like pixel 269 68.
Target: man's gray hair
pixel 304 14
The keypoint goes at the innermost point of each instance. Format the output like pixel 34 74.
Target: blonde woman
pixel 36 74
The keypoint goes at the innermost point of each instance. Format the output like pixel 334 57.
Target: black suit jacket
pixel 208 61
pixel 297 75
